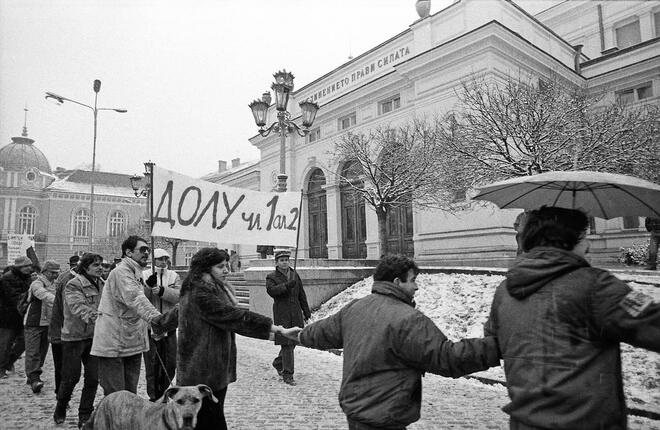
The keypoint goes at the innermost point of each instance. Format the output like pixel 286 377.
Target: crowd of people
pixel 555 322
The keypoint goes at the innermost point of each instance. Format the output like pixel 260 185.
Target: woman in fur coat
pixel 209 317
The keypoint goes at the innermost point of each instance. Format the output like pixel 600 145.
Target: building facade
pixel 604 46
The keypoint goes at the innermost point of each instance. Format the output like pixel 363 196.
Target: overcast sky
pixel 184 70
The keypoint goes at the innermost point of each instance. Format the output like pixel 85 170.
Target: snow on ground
pixel 459 305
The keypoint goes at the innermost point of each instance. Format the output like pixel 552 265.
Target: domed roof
pixel 21 154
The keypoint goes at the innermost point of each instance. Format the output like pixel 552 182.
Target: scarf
pixel 224 286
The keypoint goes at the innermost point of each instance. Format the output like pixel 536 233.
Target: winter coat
pixel 388 345
pixel 171 283
pixel 290 308
pixel 57 315
pixel 559 322
pixel 80 308
pixel 12 286
pixel 206 349
pixel 42 296
pixel 124 313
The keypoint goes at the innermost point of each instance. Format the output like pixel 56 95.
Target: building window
pixel 117 223
pixel 188 258
pixel 630 223
pixel 347 121
pixel 81 223
pixel 389 105
pixel 314 135
pixel 628 35
pixel 26 220
pixel 635 94
pixel 30 176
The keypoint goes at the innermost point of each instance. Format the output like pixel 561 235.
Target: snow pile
pixel 459 305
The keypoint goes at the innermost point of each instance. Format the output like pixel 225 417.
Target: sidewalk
pixel 258 400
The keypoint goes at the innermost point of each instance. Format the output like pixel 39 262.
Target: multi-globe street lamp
pixel 95 110
pixel 283 86
pixel 145 191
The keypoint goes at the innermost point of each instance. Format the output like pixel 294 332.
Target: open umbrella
pixel 603 195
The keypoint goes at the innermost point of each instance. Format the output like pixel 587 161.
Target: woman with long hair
pixel 209 317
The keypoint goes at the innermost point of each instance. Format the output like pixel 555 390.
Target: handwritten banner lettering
pixel 192 209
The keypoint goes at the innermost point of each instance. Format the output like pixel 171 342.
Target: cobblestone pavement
pixel 259 400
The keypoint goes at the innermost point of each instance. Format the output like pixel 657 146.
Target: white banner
pixel 17 245
pixel 192 209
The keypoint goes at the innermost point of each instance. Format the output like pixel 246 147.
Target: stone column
pixel 333 199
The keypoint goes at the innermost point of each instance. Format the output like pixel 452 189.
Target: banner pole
pixel 151 214
pixel 295 260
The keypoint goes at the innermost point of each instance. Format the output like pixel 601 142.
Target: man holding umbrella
pixel 290 309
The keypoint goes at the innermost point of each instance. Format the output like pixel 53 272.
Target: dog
pixel 177 409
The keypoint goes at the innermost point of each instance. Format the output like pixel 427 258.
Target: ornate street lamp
pixel 283 86
pixel 60 100
pixel 145 191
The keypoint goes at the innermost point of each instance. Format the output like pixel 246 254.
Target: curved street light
pixel 60 100
pixel 283 86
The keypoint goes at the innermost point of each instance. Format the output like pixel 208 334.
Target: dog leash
pixel 163 366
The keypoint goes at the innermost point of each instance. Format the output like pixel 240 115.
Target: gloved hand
pixel 290 284
pixel 151 280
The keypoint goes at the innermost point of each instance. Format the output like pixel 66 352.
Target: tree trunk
pixel 175 246
pixel 381 214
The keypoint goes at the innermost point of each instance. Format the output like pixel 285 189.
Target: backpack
pixel 24 303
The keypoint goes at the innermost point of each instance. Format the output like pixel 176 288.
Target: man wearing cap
pixel 290 309
pixel 162 289
pixel 13 285
pixel 37 319
pixel 57 318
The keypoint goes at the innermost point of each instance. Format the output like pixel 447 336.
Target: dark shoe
pixel 82 420
pixel 290 381
pixel 3 374
pixel 36 386
pixel 279 371
pixel 59 416
pixel 10 369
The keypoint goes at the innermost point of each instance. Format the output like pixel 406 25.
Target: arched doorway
pixel 400 231
pixel 353 219
pixel 317 214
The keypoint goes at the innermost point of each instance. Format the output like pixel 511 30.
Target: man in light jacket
pixel 121 332
pixel 37 319
pixel 162 289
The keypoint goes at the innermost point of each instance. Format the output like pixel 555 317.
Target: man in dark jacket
pixel 388 346
pixel 559 322
pixel 13 285
pixel 653 226
pixel 290 309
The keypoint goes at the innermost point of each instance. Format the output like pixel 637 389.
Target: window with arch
pixel 27 219
pixel 81 223
pixel 116 224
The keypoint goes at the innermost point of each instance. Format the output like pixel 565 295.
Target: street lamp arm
pixel 302 132
pixel 264 132
pixel 62 99
pixel 114 109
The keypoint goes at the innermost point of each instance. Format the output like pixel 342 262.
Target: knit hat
pixel 282 252
pixel 73 260
pixel 22 261
pixel 51 265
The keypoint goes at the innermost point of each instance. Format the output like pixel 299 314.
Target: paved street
pixel 258 400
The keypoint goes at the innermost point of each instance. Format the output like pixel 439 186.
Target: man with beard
pixel 13 285
pixel 120 335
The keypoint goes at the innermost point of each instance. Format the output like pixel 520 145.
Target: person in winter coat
pixel 80 303
pixel 57 318
pixel 388 346
pixel 653 226
pixel 208 318
pixel 37 319
pixel 13 285
pixel 559 323
pixel 162 289
pixel 290 309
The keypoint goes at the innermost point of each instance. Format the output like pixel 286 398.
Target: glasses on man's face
pixel 144 249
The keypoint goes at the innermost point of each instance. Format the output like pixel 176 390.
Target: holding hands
pixel 290 333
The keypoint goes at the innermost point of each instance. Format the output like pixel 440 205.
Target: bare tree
pixel 517 127
pixel 395 167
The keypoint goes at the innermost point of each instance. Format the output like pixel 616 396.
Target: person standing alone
pixel 162 289
pixel 290 309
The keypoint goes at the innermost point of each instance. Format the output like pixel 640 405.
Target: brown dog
pixel 126 411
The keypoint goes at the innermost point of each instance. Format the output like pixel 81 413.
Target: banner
pixel 192 209
pixel 17 245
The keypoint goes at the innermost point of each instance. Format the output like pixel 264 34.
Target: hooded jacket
pixel 559 322
pixel 13 285
pixel 388 345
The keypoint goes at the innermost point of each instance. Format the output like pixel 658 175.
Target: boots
pixel 59 416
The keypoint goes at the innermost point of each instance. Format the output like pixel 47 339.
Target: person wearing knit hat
pixel 290 309
pixel 13 285
pixel 37 319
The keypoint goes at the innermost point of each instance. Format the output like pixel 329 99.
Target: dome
pixel 21 154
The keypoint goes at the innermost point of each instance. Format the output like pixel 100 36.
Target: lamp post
pixel 283 86
pixel 136 183
pixel 95 110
